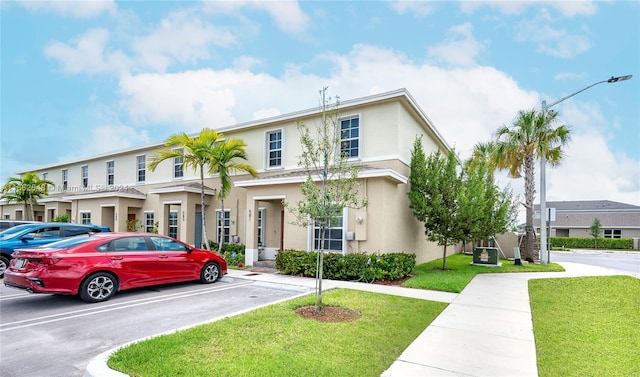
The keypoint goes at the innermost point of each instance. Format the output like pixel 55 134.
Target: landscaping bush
pixel 232 253
pixel 589 243
pixel 358 267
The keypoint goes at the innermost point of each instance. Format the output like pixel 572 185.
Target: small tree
pixel 596 230
pixel 331 183
pixel 61 219
pixel 434 196
pixel 27 190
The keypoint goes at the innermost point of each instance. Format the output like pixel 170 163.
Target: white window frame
pixel 149 216
pixel 221 227
pixel 612 233
pixel 351 139
pixel 85 217
pixel 111 172
pixel 268 149
pixel 141 159
pixel 178 171
pixel 312 235
pixel 65 179
pixel 84 175
pixel 173 224
pixel 261 228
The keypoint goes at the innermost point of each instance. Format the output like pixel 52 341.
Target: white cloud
pixel 511 7
pixel 286 13
pixel 182 37
pixel 551 41
pixel 86 54
pixel 108 138
pixel 460 47
pixel 416 8
pixel 72 8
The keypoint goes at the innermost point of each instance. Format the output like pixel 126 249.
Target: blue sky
pixel 81 78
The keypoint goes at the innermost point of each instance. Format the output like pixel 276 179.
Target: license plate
pixel 19 263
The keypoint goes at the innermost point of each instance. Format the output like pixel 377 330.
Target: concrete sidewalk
pixel 486 330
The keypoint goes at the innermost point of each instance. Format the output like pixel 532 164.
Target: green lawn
pixel 275 341
pixel 460 272
pixel 587 326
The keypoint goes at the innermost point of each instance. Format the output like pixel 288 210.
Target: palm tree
pixel 224 160
pixel 196 153
pixel 26 189
pixel 518 147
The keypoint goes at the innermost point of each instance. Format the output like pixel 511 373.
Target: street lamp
pixel 544 250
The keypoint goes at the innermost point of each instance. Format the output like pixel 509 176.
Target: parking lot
pixel 52 335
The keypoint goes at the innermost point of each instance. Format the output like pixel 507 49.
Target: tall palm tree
pixel 224 160
pixel 531 137
pixel 196 153
pixel 26 189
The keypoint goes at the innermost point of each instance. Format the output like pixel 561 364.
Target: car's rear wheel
pixel 4 264
pixel 210 273
pixel 98 287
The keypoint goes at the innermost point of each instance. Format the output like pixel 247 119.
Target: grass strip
pixel 275 341
pixel 586 326
pixel 459 272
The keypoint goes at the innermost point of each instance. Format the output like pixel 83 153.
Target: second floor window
pixel 85 176
pixel 274 149
pixel 65 179
pixel 350 137
pixel 141 162
pixel 177 167
pixel 110 172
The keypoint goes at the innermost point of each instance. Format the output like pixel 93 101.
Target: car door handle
pixel 163 256
pixel 116 258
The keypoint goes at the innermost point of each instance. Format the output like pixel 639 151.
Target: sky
pixel 83 78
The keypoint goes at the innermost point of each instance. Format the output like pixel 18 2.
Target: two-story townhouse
pixel 574 218
pixel 378 131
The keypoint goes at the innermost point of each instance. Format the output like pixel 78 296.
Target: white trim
pixel 269 197
pixel 108 205
pixel 170 202
pixel 184 188
pixel 376 173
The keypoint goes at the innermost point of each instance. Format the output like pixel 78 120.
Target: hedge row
pixel 591 243
pixel 358 267
pixel 232 253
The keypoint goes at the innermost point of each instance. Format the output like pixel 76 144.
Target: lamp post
pixel 544 250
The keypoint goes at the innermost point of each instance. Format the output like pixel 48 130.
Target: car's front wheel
pixel 210 273
pixel 98 287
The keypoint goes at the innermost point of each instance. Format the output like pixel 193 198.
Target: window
pixel 85 217
pixel 110 172
pixel 274 149
pixel 162 243
pixel 177 167
pixel 173 224
pixel 45 176
pixel 65 179
pixel 332 236
pixel 222 226
pixel 261 227
pixel 149 224
pixel 141 162
pixel 130 244
pixel 612 233
pixel 46 233
pixel 349 137
pixel 85 176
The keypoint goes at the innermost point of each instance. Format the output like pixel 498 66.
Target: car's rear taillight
pixel 46 260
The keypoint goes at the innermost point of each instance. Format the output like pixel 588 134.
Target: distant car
pixel 6 224
pixel 36 234
pixel 97 266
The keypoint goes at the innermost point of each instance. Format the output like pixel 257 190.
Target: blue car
pixel 37 234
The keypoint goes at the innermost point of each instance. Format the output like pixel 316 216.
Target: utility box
pixel 485 256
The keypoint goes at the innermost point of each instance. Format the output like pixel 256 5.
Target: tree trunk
pixel 221 229
pixel 202 208
pixel 530 190
pixel 444 255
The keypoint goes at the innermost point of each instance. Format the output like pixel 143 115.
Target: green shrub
pixel 358 267
pixel 232 253
pixel 61 219
pixel 588 243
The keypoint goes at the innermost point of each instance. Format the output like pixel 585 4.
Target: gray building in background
pixel 574 218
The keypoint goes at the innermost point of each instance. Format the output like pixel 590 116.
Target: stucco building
pixel 378 130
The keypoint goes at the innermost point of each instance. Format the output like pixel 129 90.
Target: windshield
pixel 68 242
pixel 14 231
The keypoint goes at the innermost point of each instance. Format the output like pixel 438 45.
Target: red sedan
pixel 97 266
